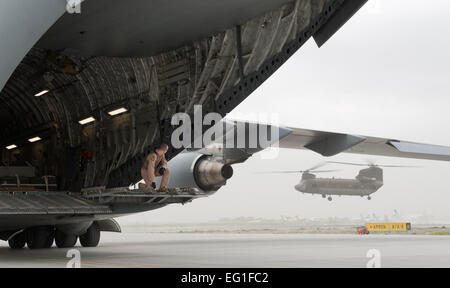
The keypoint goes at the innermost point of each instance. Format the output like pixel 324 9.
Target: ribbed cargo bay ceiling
pixel 97 91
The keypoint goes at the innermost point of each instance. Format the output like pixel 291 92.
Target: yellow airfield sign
pixel 388 227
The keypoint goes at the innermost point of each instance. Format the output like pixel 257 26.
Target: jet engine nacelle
pixel 196 170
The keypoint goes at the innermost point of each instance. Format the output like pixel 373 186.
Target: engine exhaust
pixel 210 175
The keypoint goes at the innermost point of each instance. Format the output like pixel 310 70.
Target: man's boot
pixel 163 190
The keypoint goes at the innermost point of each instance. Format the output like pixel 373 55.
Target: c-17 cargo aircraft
pixel 89 88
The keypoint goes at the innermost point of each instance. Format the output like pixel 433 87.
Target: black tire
pixel 92 236
pixel 64 240
pixel 18 241
pixel 40 237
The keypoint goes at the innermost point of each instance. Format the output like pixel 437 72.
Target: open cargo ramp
pixel 48 203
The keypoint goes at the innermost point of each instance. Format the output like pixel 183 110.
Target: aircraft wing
pixel 324 143
pixel 330 144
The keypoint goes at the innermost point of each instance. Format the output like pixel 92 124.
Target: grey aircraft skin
pixel 68 160
pixel 367 182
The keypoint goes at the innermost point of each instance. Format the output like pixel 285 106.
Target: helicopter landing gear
pixel 330 199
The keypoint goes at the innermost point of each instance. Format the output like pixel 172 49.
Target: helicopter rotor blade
pixel 281 172
pixel 298 172
pixel 397 166
pixel 317 166
pixel 374 165
pixel 349 163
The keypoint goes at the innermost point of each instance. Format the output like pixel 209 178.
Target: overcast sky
pixel 385 74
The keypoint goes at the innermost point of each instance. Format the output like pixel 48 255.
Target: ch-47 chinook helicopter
pixel 367 182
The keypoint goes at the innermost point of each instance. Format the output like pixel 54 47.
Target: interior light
pixel 34 139
pixel 10 147
pixel 118 111
pixel 87 120
pixel 43 92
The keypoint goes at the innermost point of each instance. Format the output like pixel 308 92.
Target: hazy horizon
pixel 385 74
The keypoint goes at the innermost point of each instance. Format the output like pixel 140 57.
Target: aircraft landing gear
pixel 92 236
pixel 324 196
pixel 40 237
pixel 369 198
pixel 330 199
pixel 18 241
pixel 64 240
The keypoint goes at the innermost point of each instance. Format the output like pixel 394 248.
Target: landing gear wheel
pixel 369 198
pixel 64 240
pixel 330 199
pixel 92 237
pixel 18 241
pixel 40 237
pixel 324 196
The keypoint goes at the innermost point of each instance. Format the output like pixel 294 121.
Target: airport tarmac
pixel 154 250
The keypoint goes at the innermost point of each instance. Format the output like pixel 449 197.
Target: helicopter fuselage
pixel 340 187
